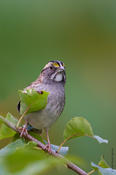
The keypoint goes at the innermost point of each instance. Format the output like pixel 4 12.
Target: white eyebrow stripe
pixel 47 65
pixel 60 64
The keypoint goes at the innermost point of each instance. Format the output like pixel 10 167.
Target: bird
pixel 52 79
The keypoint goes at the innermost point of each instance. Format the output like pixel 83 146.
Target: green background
pixel 80 33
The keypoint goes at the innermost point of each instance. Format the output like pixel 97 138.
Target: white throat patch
pixel 59 77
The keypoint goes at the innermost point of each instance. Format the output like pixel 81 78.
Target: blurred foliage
pixel 23 157
pixel 83 35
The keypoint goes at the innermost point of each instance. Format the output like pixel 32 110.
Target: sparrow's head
pixel 54 71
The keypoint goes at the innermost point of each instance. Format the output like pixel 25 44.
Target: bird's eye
pixel 51 67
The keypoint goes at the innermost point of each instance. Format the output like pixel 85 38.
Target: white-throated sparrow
pixel 52 79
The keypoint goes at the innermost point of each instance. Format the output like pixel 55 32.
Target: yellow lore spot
pixel 56 64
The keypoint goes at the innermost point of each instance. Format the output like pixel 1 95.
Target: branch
pixel 69 164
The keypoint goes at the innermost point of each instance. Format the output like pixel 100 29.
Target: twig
pixel 91 172
pixel 22 116
pixel 69 164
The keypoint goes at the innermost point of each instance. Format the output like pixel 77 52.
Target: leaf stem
pixel 68 138
pixel 63 143
pixel 22 116
pixel 91 172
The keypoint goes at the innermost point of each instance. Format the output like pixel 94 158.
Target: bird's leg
pixel 24 130
pixel 48 146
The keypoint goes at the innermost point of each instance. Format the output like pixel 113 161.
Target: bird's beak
pixel 61 68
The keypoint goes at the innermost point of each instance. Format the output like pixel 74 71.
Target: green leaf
pixel 5 131
pixel 76 127
pixel 79 126
pixel 99 139
pixel 33 100
pixel 10 148
pixel 39 167
pixel 20 154
pixel 21 157
pixel 103 171
pixel 102 163
pixel 28 158
pixel 3 168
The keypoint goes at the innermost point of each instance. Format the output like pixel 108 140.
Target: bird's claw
pixel 48 147
pixel 23 131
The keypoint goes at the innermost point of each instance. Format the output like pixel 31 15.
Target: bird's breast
pixel 55 105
